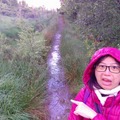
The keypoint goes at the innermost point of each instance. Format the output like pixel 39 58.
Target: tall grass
pixel 16 92
pixel 21 83
pixel 75 56
pixel 22 72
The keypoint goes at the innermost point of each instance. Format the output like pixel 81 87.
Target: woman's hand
pixel 83 110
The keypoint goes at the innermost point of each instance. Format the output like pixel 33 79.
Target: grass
pixel 74 58
pixel 77 48
pixel 18 92
pixel 22 71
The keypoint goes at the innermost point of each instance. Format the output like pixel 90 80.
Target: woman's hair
pixel 93 82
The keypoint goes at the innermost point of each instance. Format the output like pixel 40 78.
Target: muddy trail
pixel 58 100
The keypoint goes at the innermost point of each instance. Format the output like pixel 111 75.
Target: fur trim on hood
pixel 114 52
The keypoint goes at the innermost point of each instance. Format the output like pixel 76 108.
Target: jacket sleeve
pixel 79 97
pixel 99 117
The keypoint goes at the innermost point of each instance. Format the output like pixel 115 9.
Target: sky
pixel 48 4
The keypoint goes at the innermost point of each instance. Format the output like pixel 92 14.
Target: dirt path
pixel 58 92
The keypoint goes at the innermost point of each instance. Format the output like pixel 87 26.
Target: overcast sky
pixel 49 4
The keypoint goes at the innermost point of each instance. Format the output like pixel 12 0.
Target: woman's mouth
pixel 106 82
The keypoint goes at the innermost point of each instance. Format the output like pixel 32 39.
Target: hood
pixel 114 52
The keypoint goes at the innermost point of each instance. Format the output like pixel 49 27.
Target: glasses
pixel 112 69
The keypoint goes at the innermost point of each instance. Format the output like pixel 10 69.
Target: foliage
pixel 49 32
pixel 74 57
pixel 10 2
pixel 16 91
pixel 9 27
pixel 22 70
pixel 21 82
pixel 96 17
pixel 22 10
pixel 8 7
pixel 31 44
pixel 90 25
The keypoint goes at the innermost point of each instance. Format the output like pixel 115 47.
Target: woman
pixel 102 88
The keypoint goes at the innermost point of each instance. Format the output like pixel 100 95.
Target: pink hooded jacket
pixel 111 108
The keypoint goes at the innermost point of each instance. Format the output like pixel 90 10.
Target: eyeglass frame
pixel 109 67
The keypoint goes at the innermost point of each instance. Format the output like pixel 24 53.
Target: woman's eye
pixel 101 66
pixel 115 67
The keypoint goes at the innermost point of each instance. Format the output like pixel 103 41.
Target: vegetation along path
pixel 58 92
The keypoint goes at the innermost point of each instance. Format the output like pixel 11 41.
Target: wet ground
pixel 57 88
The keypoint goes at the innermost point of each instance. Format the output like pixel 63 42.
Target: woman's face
pixel 105 78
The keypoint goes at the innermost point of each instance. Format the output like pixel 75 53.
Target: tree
pixel 96 17
pixel 10 2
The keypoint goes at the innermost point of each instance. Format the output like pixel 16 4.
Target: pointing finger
pixel 75 102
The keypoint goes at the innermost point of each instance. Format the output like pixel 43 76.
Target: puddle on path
pixel 58 92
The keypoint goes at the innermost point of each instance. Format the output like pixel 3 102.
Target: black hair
pixel 93 82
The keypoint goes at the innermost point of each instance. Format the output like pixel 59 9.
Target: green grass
pixel 18 92
pixel 74 57
pixel 22 70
